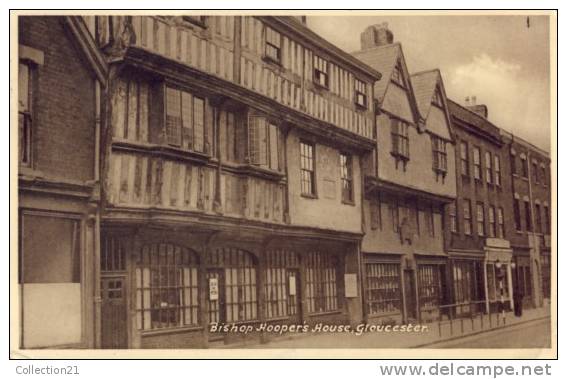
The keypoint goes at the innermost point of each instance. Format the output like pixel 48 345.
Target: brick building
pixel 408 180
pixel 529 218
pixel 61 78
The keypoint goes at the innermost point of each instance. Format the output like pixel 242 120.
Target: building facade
pixel 529 218
pixel 61 78
pixel 231 178
pixel 408 178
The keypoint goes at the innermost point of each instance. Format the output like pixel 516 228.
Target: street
pixel 536 334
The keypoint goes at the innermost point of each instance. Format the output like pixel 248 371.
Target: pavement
pixel 433 335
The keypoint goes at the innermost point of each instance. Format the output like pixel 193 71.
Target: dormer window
pixel 360 94
pixel 320 71
pixel 397 75
pixel 273 45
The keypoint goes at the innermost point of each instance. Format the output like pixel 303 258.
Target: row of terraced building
pixel 182 172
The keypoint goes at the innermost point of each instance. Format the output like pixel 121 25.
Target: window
pixel 430 222
pixel 513 165
pixel 476 163
pixel 547 219
pixel 517 215
pixel 429 283
pixel 281 284
pixel 480 219
pixel 320 71
pixel 439 147
pixel 466 283
pixel 166 287
pixel 400 139
pixel 524 162
pixel 263 143
pixel 543 177
pixel 234 271
pixel 346 178
pixel 383 294
pixel 395 215
pixel 497 175
pixel 360 93
pixel 538 224
pixel 464 159
pixel 453 218
pixel 528 214
pixel 273 45
pixel 25 114
pixel 321 283
pixel 501 231
pixel 397 74
pixel 307 156
pixel 467 216
pixel 437 100
pixel 185 120
pixel 492 221
pixel 375 213
pixel 535 170
pixel 488 162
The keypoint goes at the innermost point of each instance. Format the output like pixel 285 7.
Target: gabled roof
pixel 425 83
pixel 384 59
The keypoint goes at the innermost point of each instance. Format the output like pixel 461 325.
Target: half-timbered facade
pixel 409 178
pixel 231 178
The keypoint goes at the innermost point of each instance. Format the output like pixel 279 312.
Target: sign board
pixel 292 287
pixel 351 285
pixel 213 288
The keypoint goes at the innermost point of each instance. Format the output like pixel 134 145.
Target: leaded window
pixel 273 45
pixel 185 120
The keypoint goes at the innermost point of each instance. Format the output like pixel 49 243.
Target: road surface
pixel 536 334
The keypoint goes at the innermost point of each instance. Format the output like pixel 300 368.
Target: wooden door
pixel 114 333
pixel 294 295
pixel 409 293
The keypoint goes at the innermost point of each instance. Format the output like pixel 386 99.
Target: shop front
pixel 498 275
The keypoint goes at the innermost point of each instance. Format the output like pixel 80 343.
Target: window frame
pixel 25 131
pixel 477 164
pixel 399 130
pixel 347 181
pixel 467 217
pixel 308 172
pixel 497 171
pixel 269 43
pixel 464 158
pixel 501 227
pixel 360 89
pixel 480 220
pixel 439 150
pixel 453 218
pixel 321 71
pixel 488 167
pixel 528 216
pixel 321 280
pixel 194 127
pixel 492 226
pixel 398 74
pixel 383 289
pixel 517 214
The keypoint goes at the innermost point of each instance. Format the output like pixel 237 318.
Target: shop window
pixel 320 71
pixel 50 279
pixel 166 287
pixel 400 139
pixel 234 271
pixel 307 158
pixel 383 295
pixel 347 192
pixel 429 286
pixel 185 120
pixel 464 159
pixel 321 282
pixel 360 98
pixel 25 113
pixel 273 45
pixel 281 283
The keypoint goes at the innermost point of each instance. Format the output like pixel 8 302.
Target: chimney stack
pixel 479 109
pixel 376 35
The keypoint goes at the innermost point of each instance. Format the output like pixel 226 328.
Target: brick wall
pixel 63 102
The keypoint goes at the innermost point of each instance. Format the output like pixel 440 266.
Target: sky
pixel 498 59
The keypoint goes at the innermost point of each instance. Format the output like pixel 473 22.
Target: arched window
pixel 232 286
pixel 166 287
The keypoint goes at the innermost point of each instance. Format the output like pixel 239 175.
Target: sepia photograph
pixel 198 181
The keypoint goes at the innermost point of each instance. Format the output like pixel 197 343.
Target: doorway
pixel 114 333
pixel 410 296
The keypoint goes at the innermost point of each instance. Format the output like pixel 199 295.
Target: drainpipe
pixel 533 268
pixel 96 238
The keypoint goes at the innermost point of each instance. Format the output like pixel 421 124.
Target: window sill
pixel 348 202
pixel 162 150
pixel 252 170
pixel 399 156
pixel 272 61
pixel 309 196
pixel 158 332
pixel 320 87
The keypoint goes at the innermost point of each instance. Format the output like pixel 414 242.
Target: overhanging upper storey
pixel 276 62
